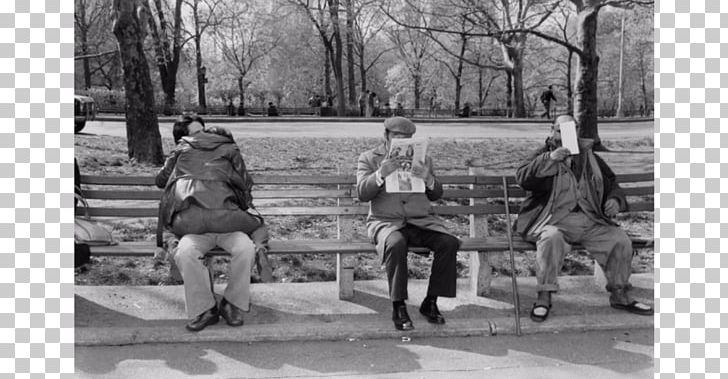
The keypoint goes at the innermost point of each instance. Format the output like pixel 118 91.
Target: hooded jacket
pixel 539 189
pixel 206 170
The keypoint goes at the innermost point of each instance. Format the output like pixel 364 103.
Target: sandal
pixel 540 318
pixel 634 307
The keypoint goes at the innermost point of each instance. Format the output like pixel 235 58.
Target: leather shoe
pixel 401 318
pixel 209 317
pixel 431 313
pixel 232 314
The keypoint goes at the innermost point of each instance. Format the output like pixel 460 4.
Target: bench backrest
pixel 335 195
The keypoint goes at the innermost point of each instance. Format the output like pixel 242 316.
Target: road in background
pixel 468 130
pixel 597 354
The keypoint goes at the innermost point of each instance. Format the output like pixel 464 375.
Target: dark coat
pixel 538 189
pixel 206 169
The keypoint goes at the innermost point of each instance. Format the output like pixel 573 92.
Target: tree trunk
pixel 417 84
pixel 513 54
pixel 459 75
pixel 569 86
pixel 142 128
pixel 585 96
pixel 481 99
pixel 338 57
pixel 643 87
pixel 362 70
pixel 168 67
pixel 327 76
pixel 201 98
pixel 509 93
pixel 350 52
pixel 241 88
pixel 620 96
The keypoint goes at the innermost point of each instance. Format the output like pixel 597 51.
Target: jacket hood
pixel 206 141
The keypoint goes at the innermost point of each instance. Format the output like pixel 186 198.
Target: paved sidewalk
pixel 110 315
pixel 622 354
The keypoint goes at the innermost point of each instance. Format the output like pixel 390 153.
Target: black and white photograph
pixel 364 188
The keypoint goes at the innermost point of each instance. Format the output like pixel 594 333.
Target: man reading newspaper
pixel 400 219
pixel 414 151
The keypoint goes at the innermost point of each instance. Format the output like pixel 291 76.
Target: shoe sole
pixel 212 321
pixel 432 321
pixel 401 327
pixel 632 310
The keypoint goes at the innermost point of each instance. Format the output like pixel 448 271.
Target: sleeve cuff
pixel 431 183
pixel 378 177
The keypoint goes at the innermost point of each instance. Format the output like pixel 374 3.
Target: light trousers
pixel 609 245
pixel 190 255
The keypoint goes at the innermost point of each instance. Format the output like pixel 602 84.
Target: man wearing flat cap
pixel 397 221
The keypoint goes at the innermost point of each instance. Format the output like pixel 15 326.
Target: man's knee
pixel 243 247
pixel 450 244
pixel 395 245
pixel 623 243
pixel 550 237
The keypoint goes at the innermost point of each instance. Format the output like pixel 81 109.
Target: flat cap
pixel 400 125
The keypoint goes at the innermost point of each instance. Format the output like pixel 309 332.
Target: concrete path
pixel 110 315
pixel 623 353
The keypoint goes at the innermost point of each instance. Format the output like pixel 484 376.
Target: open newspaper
pixel 413 150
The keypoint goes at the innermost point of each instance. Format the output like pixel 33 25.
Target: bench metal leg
pixel 480 273
pixel 344 277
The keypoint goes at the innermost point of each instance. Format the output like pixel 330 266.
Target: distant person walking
pixel 370 103
pixel 546 97
pixel 363 96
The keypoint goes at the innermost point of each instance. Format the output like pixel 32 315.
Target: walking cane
pixel 514 283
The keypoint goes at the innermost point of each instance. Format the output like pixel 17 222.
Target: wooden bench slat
pixel 257 194
pixel 333 194
pixel 339 179
pixel 488 244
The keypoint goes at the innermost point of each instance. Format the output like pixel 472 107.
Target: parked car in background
pixel 84 109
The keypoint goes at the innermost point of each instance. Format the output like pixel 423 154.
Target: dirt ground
pixel 106 155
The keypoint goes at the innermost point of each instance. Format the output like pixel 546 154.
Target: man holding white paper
pixel 572 194
pixel 398 220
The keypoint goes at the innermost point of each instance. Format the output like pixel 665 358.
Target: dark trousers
pixel 547 110
pixel 443 274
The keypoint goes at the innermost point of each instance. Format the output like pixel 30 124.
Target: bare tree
pixel 504 20
pixel 90 20
pixel 241 35
pixel 167 52
pixel 325 18
pixel 201 22
pixel 142 129
pixel 456 69
pixel 585 96
pixel 367 26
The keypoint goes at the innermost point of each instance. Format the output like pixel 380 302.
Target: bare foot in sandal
pixel 541 307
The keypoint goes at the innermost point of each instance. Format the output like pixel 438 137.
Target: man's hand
pixel 423 171
pixel 560 154
pixel 611 207
pixel 389 166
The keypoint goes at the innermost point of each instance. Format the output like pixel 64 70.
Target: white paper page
pixel 569 139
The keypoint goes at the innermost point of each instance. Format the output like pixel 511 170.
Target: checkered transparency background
pixel 36 279
pixel 690 50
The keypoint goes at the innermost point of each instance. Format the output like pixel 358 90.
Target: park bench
pixel 475 197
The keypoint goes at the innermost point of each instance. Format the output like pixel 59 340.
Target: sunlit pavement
pixel 596 354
